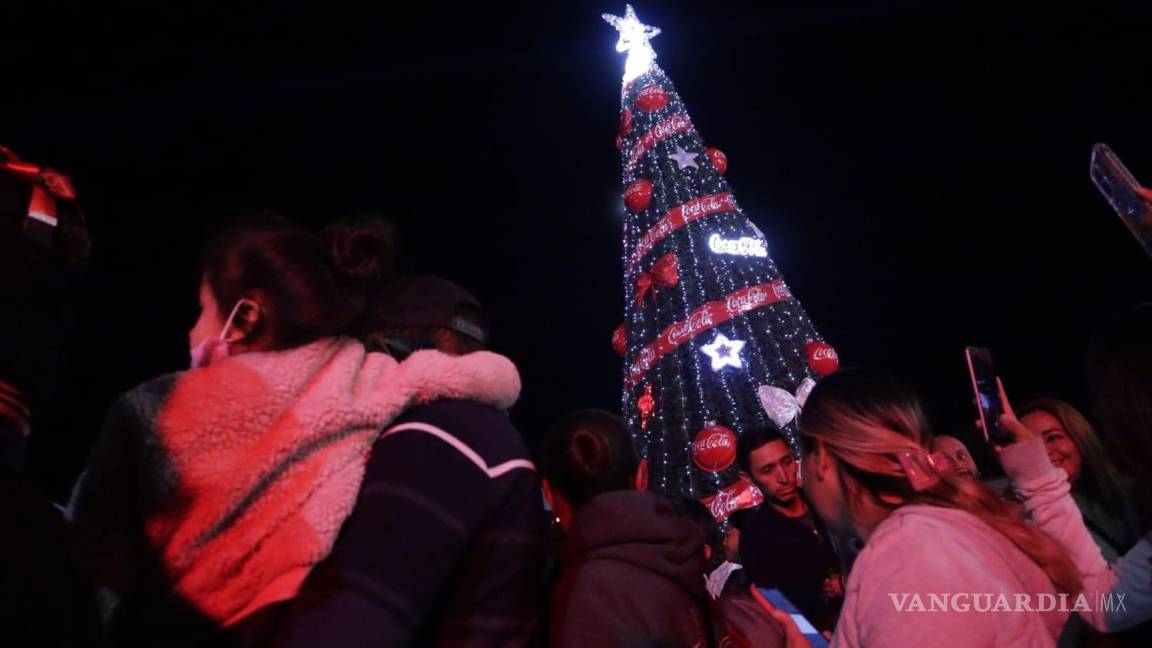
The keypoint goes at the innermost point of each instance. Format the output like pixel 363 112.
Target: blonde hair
pixel 866 421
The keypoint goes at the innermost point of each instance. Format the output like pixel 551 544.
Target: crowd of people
pixel 337 468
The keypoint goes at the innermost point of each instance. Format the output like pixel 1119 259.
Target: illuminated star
pixel 684 159
pixel 724 352
pixel 634 37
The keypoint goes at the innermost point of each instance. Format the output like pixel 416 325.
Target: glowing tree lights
pixel 712 339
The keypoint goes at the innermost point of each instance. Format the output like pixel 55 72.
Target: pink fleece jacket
pixel 1119 596
pixel 932 576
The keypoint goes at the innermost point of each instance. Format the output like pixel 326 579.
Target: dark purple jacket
pixel 632 575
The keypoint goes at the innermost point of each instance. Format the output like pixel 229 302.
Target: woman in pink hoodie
pixel 944 559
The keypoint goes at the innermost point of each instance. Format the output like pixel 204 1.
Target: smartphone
pixel 983 373
pixel 781 602
pixel 1114 180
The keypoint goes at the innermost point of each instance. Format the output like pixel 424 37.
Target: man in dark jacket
pixel 446 543
pixel 633 567
pixel 783 544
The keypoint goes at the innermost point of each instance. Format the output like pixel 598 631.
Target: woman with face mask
pixel 944 557
pixel 213 493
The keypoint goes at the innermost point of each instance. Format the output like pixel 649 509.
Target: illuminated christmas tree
pixel 713 340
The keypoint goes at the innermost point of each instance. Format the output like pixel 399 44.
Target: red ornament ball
pixel 620 339
pixel 651 97
pixel 638 195
pixel 715 448
pixel 626 122
pixel 822 358
pixel 718 159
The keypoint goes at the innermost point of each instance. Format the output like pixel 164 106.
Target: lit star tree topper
pixel 634 37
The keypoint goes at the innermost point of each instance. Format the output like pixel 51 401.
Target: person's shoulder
pixel 145 400
pixel 935 538
pixel 482 433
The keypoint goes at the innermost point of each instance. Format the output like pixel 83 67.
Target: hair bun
pixel 361 250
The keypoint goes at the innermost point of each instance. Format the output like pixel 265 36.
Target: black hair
pixel 752 439
pixel 308 286
pixel 586 453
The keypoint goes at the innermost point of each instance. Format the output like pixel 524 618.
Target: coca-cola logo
pixel 781 291
pixel 714 440
pixel 743 246
pixel 750 299
pixel 672 125
pixel 702 206
pixel 699 321
pixel 723 504
pixel 825 353
pixel 647 357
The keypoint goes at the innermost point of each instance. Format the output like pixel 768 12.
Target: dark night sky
pixel 921 173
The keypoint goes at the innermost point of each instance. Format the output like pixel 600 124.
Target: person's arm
pixel 421 502
pixel 1047 497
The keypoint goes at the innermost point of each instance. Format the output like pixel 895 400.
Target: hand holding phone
pixel 989 400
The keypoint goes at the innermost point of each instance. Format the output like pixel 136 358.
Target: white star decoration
pixel 634 37
pixel 724 352
pixel 684 159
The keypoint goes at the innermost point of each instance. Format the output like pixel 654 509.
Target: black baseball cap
pixel 426 302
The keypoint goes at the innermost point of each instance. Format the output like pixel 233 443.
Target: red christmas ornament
pixel 715 448
pixel 740 495
pixel 645 404
pixel 638 195
pixel 626 122
pixel 822 358
pixel 619 143
pixel 718 159
pixel 620 339
pixel 651 97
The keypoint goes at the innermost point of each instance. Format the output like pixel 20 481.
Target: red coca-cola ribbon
pixel 704 318
pixel 661 131
pixel 678 217
pixel 665 273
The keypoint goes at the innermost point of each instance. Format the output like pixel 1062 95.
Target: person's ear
pixel 246 321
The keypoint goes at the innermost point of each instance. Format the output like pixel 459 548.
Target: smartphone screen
pixel 1114 180
pixel 781 602
pixel 983 373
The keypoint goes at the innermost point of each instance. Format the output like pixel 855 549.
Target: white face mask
pixel 214 349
